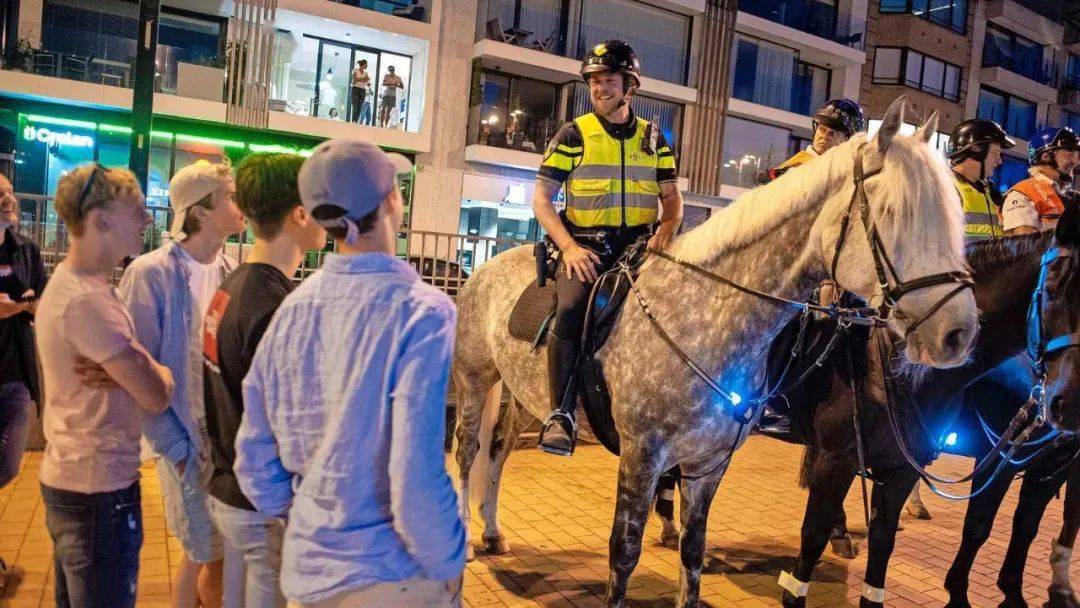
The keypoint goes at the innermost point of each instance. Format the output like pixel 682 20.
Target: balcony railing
pixel 817 18
pixel 399 8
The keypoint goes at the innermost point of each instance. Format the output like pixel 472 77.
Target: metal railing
pixel 444 260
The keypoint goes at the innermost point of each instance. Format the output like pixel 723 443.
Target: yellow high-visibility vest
pixel 615 184
pixel 979 220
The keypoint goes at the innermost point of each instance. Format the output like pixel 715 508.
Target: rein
pixel 1031 417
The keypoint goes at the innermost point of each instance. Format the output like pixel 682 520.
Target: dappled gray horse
pixel 779 238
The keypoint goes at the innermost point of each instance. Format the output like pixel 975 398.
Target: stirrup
pixel 557 417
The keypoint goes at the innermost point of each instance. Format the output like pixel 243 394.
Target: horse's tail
pixel 810 454
pixel 489 417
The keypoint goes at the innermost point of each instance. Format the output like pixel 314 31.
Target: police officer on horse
pixel 619 177
pixel 834 123
pixel 1037 202
pixel 974 152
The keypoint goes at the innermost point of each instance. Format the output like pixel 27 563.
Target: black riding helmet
pixel 971 139
pixel 840 114
pixel 612 56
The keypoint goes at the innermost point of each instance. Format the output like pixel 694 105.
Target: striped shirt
pixel 156 290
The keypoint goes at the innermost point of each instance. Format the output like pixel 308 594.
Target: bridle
pixel 1040 348
pixel 891 290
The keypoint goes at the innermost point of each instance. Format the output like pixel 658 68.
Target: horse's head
pixel 901 246
pixel 1054 323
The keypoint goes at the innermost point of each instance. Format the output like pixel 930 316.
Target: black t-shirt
pixel 11 367
pixel 235 321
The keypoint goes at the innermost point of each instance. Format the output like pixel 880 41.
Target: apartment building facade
pixel 787 59
pixel 1016 62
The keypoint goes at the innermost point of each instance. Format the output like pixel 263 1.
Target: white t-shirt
pixel 204 280
pixel 92 434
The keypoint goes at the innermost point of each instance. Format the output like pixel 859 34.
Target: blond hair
pixel 109 185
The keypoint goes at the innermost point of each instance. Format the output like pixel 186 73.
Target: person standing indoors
pixel 359 83
pixel 974 151
pixel 1036 203
pixel 834 123
pixel 618 171
pixel 390 83
pixel 22 280
pixel 344 406
pixel 167 292
pixel 99 378
pixel 235 321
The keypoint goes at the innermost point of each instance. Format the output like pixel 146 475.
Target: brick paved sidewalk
pixel 557 512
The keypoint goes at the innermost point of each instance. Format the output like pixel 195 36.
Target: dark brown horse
pixel 1007 272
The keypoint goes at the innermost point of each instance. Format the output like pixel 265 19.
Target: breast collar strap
pixel 883 266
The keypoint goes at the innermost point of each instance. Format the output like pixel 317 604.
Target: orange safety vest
pixel 1047 201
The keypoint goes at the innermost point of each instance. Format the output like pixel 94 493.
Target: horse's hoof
pixel 865 603
pixel 497 545
pixel 844 546
pixel 919 512
pixel 470 552
pixel 790 601
pixel 1061 598
pixel 671 541
pixel 958 602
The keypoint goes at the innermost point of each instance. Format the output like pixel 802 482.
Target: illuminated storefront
pixel 51 139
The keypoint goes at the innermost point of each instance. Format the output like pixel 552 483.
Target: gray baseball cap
pixel 349 173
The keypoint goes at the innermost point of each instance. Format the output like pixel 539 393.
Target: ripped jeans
pixel 96 542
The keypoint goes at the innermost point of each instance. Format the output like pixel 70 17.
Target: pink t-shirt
pixel 92 434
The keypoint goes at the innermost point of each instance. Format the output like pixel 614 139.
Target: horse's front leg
pixel 890 492
pixel 639 471
pixel 978 523
pixel 665 508
pixel 1061 590
pixel 830 478
pixel 697 496
pixel 1035 495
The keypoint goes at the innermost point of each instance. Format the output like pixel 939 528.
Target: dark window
pixel 570 28
pixel 772 75
pixel 515 112
pixel 1012 170
pixel 920 72
pixel 1016 115
pixel 816 17
pixel 1071 120
pixel 1017 54
pixel 946 13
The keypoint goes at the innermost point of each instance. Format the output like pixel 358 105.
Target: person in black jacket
pixel 22 279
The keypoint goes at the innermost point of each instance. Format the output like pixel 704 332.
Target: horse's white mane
pixel 918 181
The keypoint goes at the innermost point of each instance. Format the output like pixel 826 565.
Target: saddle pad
pixel 532 310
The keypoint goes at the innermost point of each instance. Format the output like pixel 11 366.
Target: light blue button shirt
pixel 344 420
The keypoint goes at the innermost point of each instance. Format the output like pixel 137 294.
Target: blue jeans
pixel 14 428
pixel 257 538
pixel 96 542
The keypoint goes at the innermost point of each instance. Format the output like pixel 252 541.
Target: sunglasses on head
pixel 88 186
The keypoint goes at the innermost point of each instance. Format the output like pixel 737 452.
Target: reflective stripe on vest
pixel 1045 197
pixel 978 213
pixel 597 193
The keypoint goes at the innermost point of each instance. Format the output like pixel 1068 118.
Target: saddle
pixel 534 312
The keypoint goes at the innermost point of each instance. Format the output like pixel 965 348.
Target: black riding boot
pixel 558 435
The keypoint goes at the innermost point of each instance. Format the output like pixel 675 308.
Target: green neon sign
pixel 224 143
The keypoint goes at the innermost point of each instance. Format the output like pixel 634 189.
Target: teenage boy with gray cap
pixel 344 406
pixel 167 292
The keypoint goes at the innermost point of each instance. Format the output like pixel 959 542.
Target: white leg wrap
pixel 1060 559
pixel 793 585
pixel 874 594
pixel 667 494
